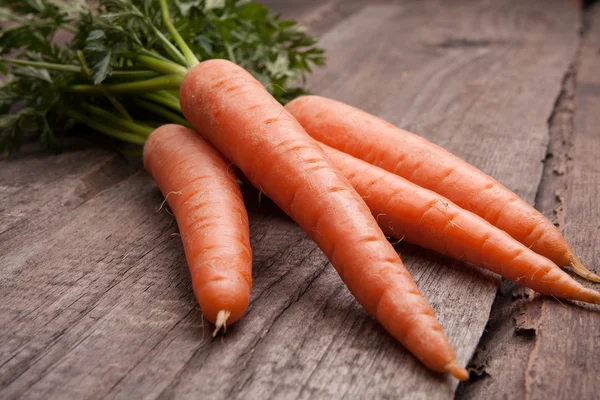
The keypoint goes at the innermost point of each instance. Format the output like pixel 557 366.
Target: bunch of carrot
pixel 411 188
pixel 348 179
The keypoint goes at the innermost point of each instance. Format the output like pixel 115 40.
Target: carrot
pixel 235 112
pixel 420 216
pixel 208 205
pixel 380 143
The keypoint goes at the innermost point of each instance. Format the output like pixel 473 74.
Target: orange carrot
pixel 208 205
pixel 380 143
pixel 418 215
pixel 235 112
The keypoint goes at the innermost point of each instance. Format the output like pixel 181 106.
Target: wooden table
pixel 95 294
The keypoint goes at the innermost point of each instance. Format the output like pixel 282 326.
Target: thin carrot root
pixel 457 371
pixel 589 296
pixel 581 270
pixel 221 321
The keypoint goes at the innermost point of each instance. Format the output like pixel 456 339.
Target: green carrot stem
pixel 169 47
pixel 163 112
pixel 148 85
pixel 167 101
pixel 164 67
pixel 122 110
pixel 75 68
pixel 190 57
pixel 133 75
pixel 106 129
pixel 41 64
pixel 154 54
pixel 170 94
pixel 174 93
pixel 120 122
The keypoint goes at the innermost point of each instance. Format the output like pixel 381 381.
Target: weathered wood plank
pixel 318 16
pixel 100 303
pixel 35 184
pixel 564 361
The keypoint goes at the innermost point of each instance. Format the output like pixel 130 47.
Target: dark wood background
pixel 95 296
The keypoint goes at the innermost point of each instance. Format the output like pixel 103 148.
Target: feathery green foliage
pixel 121 51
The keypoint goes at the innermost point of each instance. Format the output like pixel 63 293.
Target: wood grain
pixel 563 361
pixel 95 297
pixel 35 183
pixel 318 16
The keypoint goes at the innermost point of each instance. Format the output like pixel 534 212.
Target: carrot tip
pixel 581 270
pixel 592 296
pixel 457 371
pixel 221 321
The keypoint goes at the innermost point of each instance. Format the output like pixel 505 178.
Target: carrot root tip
pixel 581 270
pixel 594 297
pixel 457 371
pixel 221 321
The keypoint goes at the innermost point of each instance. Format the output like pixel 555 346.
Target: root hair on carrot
pixel 460 227
pixel 392 228
pixel 533 275
pixel 274 84
pixel 399 240
pixel 221 321
pixel 560 302
pixel 270 121
pixel 165 200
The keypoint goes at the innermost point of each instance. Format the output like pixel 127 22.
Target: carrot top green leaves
pixel 113 53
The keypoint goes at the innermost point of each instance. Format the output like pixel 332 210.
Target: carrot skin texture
pixel 420 216
pixel 235 113
pixel 213 223
pixel 412 157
